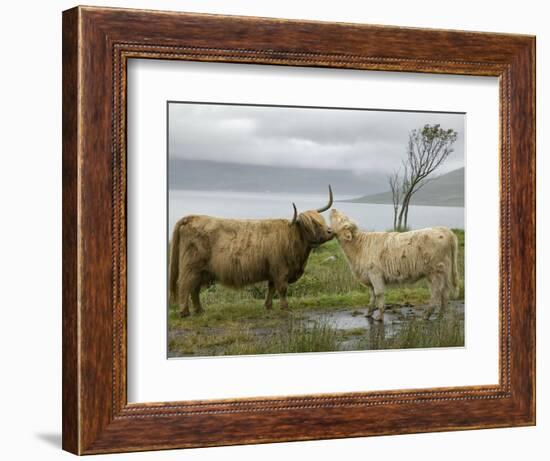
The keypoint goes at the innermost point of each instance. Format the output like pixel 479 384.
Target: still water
pixel 268 205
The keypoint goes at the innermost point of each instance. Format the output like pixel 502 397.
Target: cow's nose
pixel 329 231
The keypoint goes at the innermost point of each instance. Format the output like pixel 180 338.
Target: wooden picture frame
pixel 97 43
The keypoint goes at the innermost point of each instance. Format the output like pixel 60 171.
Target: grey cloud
pixel 357 140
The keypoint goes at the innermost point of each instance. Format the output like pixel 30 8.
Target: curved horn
pixel 295 217
pixel 330 200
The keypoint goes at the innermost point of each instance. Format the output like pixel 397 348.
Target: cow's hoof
pixel 368 314
pixel 184 314
pixel 268 307
pixel 199 312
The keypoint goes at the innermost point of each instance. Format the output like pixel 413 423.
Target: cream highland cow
pixel 380 258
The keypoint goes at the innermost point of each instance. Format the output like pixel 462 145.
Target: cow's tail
pixel 454 264
pixel 173 264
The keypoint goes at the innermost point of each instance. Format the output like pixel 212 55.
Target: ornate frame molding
pixel 97 43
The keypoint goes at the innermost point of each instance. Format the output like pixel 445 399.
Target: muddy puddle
pixel 355 324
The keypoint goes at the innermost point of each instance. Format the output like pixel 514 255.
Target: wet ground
pixel 352 325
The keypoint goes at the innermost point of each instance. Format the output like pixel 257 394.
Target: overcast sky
pixel 359 140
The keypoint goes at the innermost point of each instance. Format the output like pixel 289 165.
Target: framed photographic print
pixel 284 230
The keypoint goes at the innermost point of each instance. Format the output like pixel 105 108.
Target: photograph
pixel 296 229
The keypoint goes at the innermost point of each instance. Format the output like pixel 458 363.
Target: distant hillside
pixel 207 175
pixel 446 190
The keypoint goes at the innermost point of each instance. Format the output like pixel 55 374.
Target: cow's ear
pixel 347 233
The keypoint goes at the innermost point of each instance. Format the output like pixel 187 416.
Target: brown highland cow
pixel 240 252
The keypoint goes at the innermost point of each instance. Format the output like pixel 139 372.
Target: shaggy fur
pixel 238 252
pixel 379 258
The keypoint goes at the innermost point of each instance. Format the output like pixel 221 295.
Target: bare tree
pixel 396 188
pixel 427 150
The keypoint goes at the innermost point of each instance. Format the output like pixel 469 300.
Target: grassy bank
pixel 235 321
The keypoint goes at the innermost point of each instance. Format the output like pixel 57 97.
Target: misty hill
pixel 208 175
pixel 445 190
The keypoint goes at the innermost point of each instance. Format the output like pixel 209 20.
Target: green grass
pixel 448 332
pixel 290 337
pixel 235 321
